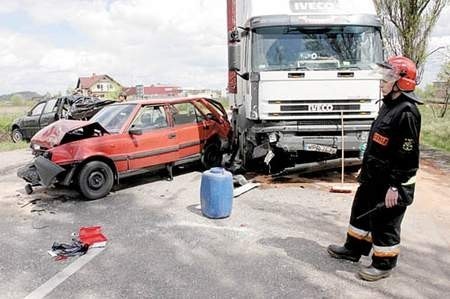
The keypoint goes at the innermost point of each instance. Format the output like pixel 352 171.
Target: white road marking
pixel 61 276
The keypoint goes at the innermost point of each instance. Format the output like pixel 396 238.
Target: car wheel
pixel 212 155
pixel 95 180
pixel 16 135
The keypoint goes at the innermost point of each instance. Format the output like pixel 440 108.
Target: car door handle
pixel 172 135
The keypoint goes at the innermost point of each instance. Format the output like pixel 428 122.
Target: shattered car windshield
pixel 315 48
pixel 113 117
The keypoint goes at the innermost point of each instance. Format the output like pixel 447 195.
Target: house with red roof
pixel 101 86
pixel 152 91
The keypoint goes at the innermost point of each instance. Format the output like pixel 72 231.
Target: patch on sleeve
pixel 380 139
pixel 408 145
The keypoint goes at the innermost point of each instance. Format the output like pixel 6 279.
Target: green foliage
pixel 426 93
pixel 9 145
pixel 224 101
pixel 435 130
pixel 444 74
pixel 407 25
pixel 113 95
pixel 17 100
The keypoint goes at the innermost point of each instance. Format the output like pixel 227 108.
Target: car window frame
pixel 140 112
pixel 38 104
pixel 53 108
pixel 197 112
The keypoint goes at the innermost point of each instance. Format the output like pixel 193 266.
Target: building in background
pixel 101 86
pixel 140 92
pixel 199 92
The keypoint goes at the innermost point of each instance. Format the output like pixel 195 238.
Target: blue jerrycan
pixel 216 193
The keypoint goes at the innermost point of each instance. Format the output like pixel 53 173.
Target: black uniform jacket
pixel 392 154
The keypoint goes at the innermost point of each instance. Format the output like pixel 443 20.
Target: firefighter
pixel 387 174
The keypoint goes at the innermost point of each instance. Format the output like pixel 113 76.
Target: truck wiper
pixel 349 67
pixel 295 68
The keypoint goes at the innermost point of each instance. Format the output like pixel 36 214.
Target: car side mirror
pixel 29 113
pixel 211 116
pixel 135 131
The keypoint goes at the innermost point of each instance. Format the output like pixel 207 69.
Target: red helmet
pixel 406 71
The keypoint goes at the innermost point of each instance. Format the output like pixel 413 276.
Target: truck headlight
pixel 35 147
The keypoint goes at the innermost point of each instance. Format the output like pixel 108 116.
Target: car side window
pixel 50 107
pixel 38 109
pixel 151 117
pixel 185 113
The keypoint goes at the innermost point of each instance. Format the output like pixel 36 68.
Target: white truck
pixel 297 68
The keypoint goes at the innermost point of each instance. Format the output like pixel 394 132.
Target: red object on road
pixel 92 236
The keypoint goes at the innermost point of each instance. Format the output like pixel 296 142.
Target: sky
pixel 45 46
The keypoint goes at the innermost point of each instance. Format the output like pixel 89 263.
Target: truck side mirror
pixel 234 57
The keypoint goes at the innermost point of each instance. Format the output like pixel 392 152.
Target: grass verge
pixel 10 146
pixel 435 131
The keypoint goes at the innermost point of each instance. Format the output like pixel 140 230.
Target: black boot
pixel 340 252
pixel 373 274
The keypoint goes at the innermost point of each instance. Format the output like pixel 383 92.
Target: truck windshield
pixel 113 117
pixel 315 48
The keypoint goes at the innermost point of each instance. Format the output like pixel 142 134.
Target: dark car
pixel 126 139
pixel 51 110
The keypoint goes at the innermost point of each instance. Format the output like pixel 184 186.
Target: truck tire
pixel 16 135
pixel 211 155
pixel 95 180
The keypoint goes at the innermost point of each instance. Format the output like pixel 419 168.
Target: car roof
pixel 162 101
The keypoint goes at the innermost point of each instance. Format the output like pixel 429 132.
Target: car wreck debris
pixel 87 237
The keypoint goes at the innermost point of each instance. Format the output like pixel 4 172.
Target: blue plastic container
pixel 216 193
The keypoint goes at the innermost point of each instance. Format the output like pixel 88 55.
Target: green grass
pixel 435 131
pixel 10 146
pixel 8 114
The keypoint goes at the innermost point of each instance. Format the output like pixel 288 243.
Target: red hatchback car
pixel 126 139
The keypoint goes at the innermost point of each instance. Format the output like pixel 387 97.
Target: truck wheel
pixel 95 180
pixel 212 155
pixel 16 135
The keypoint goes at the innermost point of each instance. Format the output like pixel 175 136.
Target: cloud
pixel 136 42
pixel 179 42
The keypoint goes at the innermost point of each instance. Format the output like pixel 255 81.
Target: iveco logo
pixel 308 5
pixel 320 107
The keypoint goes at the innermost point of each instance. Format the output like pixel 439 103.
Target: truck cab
pixel 300 72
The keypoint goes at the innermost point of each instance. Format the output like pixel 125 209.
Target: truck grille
pixel 338 107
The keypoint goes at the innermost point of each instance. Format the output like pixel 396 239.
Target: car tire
pixel 16 135
pixel 95 180
pixel 212 155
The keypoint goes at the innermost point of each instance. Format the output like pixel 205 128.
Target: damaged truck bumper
pixel 41 172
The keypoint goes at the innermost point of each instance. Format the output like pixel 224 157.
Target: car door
pixel 30 123
pixel 157 142
pixel 49 114
pixel 191 128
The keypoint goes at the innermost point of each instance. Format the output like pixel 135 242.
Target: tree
pixel 444 86
pixel 407 25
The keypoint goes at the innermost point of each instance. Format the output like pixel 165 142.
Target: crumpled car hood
pixel 54 134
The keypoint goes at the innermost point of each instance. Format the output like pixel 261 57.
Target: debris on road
pixel 33 201
pixel 244 184
pixel 87 237
pixel 243 189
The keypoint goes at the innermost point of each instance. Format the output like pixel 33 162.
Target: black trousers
pixel 379 231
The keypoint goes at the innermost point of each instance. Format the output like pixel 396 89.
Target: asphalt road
pixel 273 245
